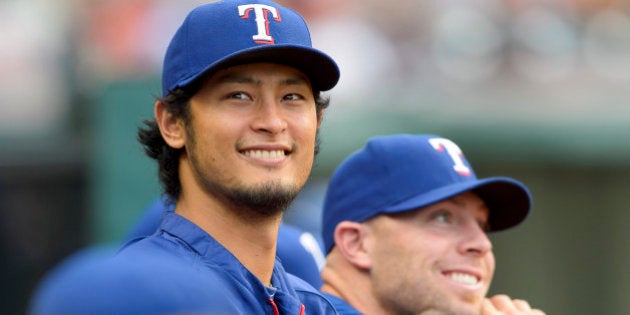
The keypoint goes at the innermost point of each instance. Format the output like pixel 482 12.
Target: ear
pixel 172 128
pixel 320 117
pixel 351 241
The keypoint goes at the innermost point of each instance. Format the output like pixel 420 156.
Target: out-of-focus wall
pixel 535 90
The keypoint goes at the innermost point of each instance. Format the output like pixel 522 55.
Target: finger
pixel 522 305
pixel 487 308
pixel 503 303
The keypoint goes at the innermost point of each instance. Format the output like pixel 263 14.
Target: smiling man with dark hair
pixel 235 137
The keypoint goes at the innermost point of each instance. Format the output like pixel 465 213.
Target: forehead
pixel 466 201
pixel 470 200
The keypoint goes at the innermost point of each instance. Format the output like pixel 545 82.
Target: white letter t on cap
pixel 441 144
pixel 262 23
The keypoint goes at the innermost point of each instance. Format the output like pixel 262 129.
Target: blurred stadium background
pixel 537 90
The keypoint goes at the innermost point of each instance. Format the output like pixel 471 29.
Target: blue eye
pixel 443 217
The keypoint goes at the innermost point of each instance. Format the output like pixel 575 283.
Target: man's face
pixel 251 136
pixel 436 260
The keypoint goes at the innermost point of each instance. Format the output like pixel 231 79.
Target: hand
pixel 503 304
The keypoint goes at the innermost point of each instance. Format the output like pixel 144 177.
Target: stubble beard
pixel 266 199
pixel 427 305
pixel 406 295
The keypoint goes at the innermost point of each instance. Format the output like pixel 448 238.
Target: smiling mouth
pixel 463 278
pixel 266 154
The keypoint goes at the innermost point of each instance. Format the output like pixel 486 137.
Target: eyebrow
pixel 458 201
pixel 482 207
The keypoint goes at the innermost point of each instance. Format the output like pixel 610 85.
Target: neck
pixel 250 237
pixel 252 242
pixel 350 284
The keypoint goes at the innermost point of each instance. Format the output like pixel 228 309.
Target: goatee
pixel 267 199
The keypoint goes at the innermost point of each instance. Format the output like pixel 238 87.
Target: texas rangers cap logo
pixel 454 152
pixel 261 12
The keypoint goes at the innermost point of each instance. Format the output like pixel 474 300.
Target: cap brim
pixel 508 200
pixel 320 68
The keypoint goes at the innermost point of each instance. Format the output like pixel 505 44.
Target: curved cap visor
pixel 508 200
pixel 321 69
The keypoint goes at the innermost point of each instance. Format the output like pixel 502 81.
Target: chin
pixel 467 308
pixel 268 198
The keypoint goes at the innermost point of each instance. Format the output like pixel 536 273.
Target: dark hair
pixel 167 157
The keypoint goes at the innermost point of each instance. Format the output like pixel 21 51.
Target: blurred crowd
pixel 54 49
pixel 572 54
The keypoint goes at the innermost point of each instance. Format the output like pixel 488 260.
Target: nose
pixel 475 241
pixel 269 117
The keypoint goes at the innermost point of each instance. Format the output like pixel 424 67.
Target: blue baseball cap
pixel 227 33
pixel 405 172
pixel 95 281
pixel 300 254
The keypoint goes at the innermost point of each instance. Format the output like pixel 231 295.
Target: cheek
pixel 427 250
pixel 218 129
pixel 303 118
pixel 398 250
pixel 491 263
pixel 304 132
pixel 306 128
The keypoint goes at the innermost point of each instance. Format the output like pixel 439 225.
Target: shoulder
pixel 342 307
pixel 161 244
pixel 169 239
pixel 300 254
pixel 313 299
pixel 135 283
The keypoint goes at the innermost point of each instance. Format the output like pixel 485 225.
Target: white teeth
pixel 263 154
pixel 463 278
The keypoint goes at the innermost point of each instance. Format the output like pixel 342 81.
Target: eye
pixel 443 217
pixel 238 96
pixel 293 97
pixel 484 225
